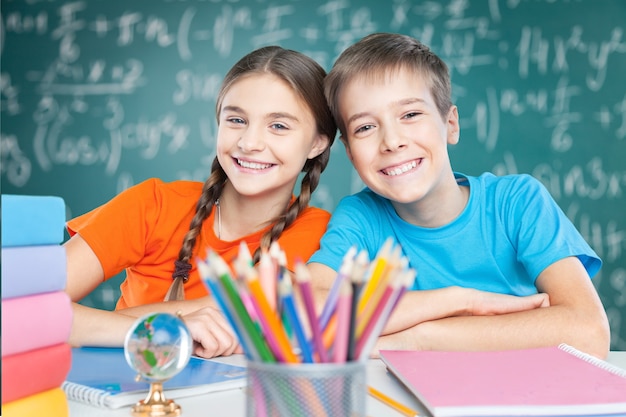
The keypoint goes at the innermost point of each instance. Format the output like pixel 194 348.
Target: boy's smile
pixel 397 141
pixel 401 169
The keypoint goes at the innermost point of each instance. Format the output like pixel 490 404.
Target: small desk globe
pixel 157 347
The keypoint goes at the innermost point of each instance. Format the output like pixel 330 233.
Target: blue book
pixel 102 377
pixel 32 220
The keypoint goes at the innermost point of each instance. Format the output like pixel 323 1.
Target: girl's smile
pixel 252 165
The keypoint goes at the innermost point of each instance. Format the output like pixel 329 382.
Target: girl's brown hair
pixel 306 78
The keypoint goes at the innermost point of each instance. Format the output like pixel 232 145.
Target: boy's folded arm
pixel 417 307
pixel 575 316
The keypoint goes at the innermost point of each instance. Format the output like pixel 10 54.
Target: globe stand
pixel 157 347
pixel 155 404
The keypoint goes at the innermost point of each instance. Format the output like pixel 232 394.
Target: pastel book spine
pixel 35 321
pixel 32 220
pixel 51 403
pixel 35 371
pixel 29 270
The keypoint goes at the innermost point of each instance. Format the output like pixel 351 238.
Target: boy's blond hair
pixel 380 55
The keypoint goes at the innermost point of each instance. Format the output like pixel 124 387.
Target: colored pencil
pixel 265 333
pixel 221 269
pixel 281 273
pixel 378 267
pixel 286 294
pixel 241 265
pixel 375 317
pixel 343 274
pixel 404 280
pixel 364 316
pixel 344 302
pixel 274 332
pixel 356 283
pixel 267 278
pixel 215 290
pixel 303 280
pixel 329 333
pixel 401 408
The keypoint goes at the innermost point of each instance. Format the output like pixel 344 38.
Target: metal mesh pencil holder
pixel 312 389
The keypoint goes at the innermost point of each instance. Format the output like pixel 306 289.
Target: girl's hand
pixel 211 333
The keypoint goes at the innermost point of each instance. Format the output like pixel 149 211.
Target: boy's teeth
pixel 253 165
pixel 401 169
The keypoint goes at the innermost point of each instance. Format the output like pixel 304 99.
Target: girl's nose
pixel 251 141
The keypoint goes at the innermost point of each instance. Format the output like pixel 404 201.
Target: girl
pixel 273 124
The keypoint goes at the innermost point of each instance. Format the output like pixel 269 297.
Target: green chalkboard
pixel 98 95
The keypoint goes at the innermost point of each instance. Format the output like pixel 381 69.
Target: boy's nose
pixel 392 141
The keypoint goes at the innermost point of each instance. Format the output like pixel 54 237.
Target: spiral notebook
pixel 102 377
pixel 551 381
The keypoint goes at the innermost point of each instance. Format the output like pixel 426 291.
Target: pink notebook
pixel 35 321
pixel 553 381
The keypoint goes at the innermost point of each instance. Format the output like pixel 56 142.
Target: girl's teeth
pixel 253 165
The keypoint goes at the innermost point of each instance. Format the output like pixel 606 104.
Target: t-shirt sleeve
pixel 118 230
pixel 541 231
pixel 354 222
pixel 302 238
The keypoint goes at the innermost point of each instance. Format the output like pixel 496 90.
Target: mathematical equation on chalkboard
pixel 116 92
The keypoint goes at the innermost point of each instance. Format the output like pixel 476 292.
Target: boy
pixel 504 236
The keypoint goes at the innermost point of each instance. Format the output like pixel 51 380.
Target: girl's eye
pixel 236 120
pixel 278 126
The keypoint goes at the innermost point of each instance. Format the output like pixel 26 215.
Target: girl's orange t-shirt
pixel 141 230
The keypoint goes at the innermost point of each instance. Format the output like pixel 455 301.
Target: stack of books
pixel 36 312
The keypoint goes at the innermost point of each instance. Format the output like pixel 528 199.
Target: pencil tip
pixel 302 272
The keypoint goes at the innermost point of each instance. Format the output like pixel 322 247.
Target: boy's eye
pixel 410 115
pixel 363 129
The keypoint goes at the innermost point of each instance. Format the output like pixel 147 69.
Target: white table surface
pixel 232 403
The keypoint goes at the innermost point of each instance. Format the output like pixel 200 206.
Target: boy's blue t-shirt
pixel 510 231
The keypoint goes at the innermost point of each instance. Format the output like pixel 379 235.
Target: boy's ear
pixel 320 144
pixel 454 129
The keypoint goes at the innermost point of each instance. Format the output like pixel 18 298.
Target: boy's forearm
pixel 575 315
pixel 421 306
pixel 526 329
pixel 416 307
